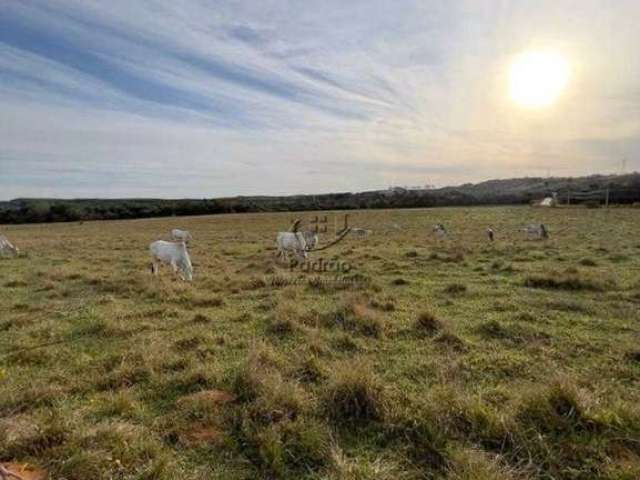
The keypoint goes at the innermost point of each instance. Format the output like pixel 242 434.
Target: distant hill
pixel 623 189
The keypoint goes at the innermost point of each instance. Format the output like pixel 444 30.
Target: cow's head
pixel 310 240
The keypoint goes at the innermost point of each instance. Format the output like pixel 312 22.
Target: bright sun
pixel 536 79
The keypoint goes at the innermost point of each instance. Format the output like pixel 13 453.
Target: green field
pixel 429 358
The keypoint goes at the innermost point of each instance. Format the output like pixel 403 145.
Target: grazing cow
pixel 310 236
pixel 490 234
pixel 310 239
pixel 7 248
pixel 536 231
pixel 292 243
pixel 360 232
pixel 181 235
pixel 174 254
pixel 439 230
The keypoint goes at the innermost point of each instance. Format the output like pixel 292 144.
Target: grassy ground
pixel 429 358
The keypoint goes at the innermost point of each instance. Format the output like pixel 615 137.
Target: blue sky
pixel 215 98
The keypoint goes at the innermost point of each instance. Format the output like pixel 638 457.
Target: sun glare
pixel 536 79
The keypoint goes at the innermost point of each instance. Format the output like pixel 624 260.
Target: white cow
pixel 490 234
pixel 310 239
pixel 292 243
pixel 181 235
pixel 439 230
pixel 536 231
pixel 174 254
pixel 7 248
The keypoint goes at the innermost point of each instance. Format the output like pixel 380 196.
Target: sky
pixel 204 98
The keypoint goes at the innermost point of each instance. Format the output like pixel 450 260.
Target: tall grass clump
pixel 569 282
pixel 354 394
pixel 273 424
pixel 355 315
pixel 428 324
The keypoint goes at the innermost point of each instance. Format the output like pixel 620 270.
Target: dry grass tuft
pixel 354 394
pixel 570 282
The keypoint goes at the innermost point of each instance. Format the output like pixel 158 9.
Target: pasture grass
pixel 427 358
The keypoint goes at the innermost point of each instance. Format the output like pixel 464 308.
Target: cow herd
pixel 295 244
pixel 534 231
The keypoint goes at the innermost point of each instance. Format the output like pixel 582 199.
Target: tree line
pixel 624 189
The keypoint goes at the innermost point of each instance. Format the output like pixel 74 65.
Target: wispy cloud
pixel 208 98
